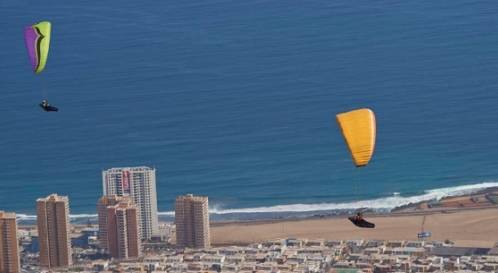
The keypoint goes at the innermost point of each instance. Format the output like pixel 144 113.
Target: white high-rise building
pixel 140 184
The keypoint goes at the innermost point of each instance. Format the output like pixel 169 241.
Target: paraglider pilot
pixel 358 221
pixel 47 107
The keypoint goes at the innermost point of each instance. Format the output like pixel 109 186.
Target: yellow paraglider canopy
pixel 359 130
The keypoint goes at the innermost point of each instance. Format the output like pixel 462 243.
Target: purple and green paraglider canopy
pixel 37 40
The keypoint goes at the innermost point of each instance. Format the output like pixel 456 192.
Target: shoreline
pixel 419 208
pixel 478 200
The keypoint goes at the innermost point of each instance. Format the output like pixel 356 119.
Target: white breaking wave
pixel 25 216
pixel 28 217
pixel 380 203
pixel 167 213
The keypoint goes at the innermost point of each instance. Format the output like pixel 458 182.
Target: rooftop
pixel 7 215
pixel 132 169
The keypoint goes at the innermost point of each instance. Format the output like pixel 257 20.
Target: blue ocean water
pixel 236 99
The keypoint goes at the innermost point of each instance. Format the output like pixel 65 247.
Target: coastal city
pixel 129 238
pixel 324 136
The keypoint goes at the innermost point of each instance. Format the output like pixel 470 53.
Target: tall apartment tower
pixel 9 246
pixel 140 184
pixel 54 231
pixel 104 202
pixel 119 232
pixel 192 221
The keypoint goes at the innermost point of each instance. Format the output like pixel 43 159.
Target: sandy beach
pixel 477 228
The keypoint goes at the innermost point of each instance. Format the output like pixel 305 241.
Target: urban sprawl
pixel 129 238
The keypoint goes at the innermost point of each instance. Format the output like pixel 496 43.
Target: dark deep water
pixel 236 100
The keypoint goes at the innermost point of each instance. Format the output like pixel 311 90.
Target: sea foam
pixel 384 203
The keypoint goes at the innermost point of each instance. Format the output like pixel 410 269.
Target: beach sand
pixel 476 228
